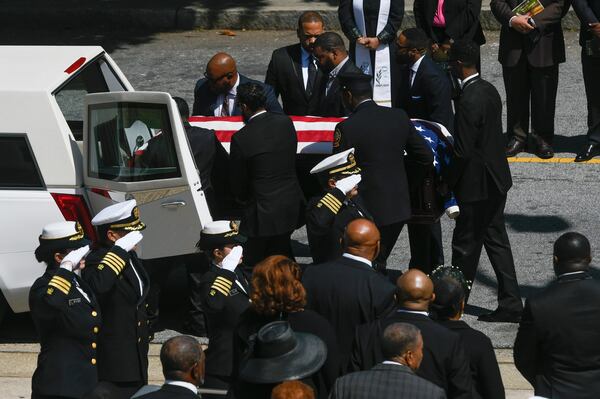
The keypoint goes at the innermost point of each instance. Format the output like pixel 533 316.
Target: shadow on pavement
pixel 536 223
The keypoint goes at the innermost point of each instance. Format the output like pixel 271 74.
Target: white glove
pixel 231 261
pixel 71 261
pixel 129 241
pixel 348 183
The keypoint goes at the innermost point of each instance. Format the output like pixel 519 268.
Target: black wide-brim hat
pixel 60 237
pixel 280 354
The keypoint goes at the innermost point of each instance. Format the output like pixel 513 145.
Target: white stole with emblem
pixel 382 82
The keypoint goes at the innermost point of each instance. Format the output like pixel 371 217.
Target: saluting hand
pixel 347 184
pixel 129 241
pixel 73 259
pixel 233 259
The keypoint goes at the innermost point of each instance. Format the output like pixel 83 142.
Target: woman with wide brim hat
pixel 66 316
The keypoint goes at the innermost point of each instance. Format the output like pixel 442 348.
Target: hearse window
pixel 131 142
pixel 18 169
pixel 96 77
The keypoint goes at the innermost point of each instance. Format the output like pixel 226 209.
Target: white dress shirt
pixel 413 311
pixel 230 98
pixel 358 258
pixel 184 384
pixel 414 68
pixel 334 73
pixel 464 82
pixel 138 277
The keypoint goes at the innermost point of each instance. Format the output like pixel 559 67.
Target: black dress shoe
pixel 514 147
pixel 589 152
pixel 544 150
pixel 501 316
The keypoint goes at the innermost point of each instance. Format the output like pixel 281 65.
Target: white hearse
pixel 66 153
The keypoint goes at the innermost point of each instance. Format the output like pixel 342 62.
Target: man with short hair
pixel 182 362
pixel 444 361
pixel 330 51
pixel 557 348
pixel 402 347
pixel 215 94
pixel 293 71
pixel 263 177
pixel 348 291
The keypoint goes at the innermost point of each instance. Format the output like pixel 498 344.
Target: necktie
pixel 411 75
pixel 312 74
pixel 225 106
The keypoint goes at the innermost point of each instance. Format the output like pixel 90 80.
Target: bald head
pixel 221 73
pixel 361 238
pixel 415 290
pixel 182 359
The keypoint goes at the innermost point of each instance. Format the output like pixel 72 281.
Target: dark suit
pixel 263 175
pixel 205 101
pixel 348 293
pixel 169 391
pixel 480 177
pixel 284 74
pixel 325 223
pixel 331 100
pixel 222 314
pixel 530 67
pixel 462 20
pixel 588 12
pixel 429 98
pixel 444 361
pixel 385 381
pixel 64 320
pixel 384 185
pixel 557 348
pixel 124 337
pixel 487 381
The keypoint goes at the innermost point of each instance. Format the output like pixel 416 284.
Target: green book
pixel 529 7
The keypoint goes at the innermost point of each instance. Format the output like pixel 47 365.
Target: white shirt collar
pixel 358 258
pixel 571 273
pixel 415 67
pixel 336 70
pixel 462 83
pixel 256 114
pixel 424 313
pixel 233 90
pixel 393 362
pixel 184 384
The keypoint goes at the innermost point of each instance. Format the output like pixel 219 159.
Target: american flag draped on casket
pixel 315 137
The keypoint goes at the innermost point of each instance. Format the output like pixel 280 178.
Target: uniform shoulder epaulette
pixel 222 285
pixel 331 202
pixel 112 261
pixel 59 283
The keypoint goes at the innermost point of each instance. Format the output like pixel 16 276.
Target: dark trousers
pixel 389 235
pixel 591 79
pixel 196 265
pixel 481 224
pixel 426 248
pixel 525 84
pixel 257 249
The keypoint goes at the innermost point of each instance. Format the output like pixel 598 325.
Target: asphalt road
pixel 547 199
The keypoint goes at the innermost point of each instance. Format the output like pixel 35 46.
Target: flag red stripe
pixel 304 136
pixel 239 119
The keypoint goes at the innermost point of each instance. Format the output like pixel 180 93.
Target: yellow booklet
pixel 529 8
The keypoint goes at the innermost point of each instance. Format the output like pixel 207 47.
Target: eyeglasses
pixel 228 75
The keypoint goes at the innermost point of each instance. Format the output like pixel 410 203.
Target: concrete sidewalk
pixel 163 15
pixel 17 363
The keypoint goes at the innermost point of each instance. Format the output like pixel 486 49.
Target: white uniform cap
pixel 54 231
pixel 343 162
pixel 218 227
pixel 122 215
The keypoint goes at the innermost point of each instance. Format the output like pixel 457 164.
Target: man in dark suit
pixel 384 185
pixel 402 347
pixel 557 348
pixel 424 91
pixel 588 12
pixel 530 50
pixel 444 361
pixel 115 274
pixel 263 177
pixel 333 60
pixel 480 179
pixel 182 362
pixel 293 72
pixel 215 94
pixel 348 291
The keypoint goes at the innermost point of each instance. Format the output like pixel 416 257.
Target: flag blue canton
pixel 438 147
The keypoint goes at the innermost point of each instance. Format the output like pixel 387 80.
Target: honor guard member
pixel 225 296
pixel 328 214
pixel 65 314
pixel 121 284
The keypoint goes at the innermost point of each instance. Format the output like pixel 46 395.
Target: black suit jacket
pixel 544 46
pixel 371 13
pixel 168 391
pixel 385 381
pixel 487 381
pixel 222 309
pixel 284 74
pixel 124 337
pixel 462 19
pixel 557 348
pixel 331 103
pixel 205 101
pixel 263 175
pixel 444 361
pixel 380 135
pixel 64 321
pixel 479 159
pixel 588 12
pixel 430 96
